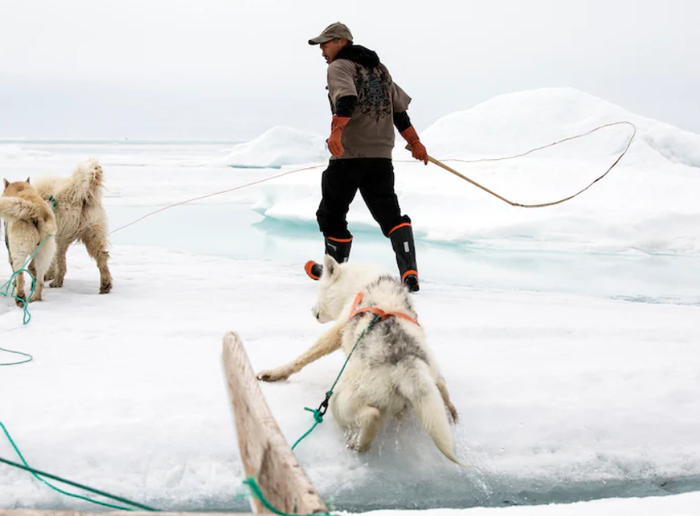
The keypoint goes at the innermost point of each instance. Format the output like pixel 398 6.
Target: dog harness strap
pixel 377 311
pixel 357 302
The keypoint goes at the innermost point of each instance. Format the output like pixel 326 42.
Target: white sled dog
pixel 80 216
pixel 392 367
pixel 29 222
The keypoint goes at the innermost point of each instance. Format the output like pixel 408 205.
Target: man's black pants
pixel 374 177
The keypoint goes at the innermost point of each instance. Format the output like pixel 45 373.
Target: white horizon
pixel 221 70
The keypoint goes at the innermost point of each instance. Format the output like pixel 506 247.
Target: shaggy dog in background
pixel 80 216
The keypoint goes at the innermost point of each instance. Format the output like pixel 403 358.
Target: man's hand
pixel 418 150
pixel 334 141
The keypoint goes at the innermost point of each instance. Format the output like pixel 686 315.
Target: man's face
pixel 330 49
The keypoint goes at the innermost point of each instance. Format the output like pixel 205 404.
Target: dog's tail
pixel 85 182
pixel 418 385
pixel 14 209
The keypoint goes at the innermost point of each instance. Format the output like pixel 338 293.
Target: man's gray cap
pixel 333 31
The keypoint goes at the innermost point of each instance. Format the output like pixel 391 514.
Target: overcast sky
pixel 229 69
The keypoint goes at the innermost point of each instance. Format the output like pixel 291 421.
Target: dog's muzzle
pixel 319 315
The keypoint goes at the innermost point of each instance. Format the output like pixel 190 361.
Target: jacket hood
pixel 360 55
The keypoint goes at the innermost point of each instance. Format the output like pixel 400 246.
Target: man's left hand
pixel 419 152
pixel 417 148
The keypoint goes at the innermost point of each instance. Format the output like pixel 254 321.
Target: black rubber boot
pixel 404 247
pixel 337 248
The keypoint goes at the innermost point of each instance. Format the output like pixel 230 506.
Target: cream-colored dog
pixel 30 223
pixel 392 367
pixel 80 216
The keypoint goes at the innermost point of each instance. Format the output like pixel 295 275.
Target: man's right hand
pixel 334 141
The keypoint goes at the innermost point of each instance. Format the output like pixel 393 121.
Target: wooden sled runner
pixel 265 453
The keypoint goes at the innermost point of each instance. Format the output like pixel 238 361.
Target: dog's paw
pixel 20 300
pixel 401 414
pixel 274 375
pixel 56 283
pixel 454 415
pixel 106 286
pixel 355 446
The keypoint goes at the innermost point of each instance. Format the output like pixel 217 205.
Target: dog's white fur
pixel 80 216
pixel 29 222
pixel 392 367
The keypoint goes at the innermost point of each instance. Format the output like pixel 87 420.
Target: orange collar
pixel 377 311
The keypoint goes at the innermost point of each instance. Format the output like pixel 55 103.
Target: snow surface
pixel 14 151
pixel 681 505
pixel 10 150
pixel 564 396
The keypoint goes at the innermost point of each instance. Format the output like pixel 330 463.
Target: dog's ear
pixel 28 181
pixel 330 266
pixel 7 183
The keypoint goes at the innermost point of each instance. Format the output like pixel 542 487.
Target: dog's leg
pixel 442 387
pixel 97 249
pixel 59 265
pixel 17 263
pixel 19 293
pixel 38 284
pixel 327 343
pixel 369 419
pixel 51 273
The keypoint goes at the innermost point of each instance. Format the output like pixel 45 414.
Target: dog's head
pixel 16 188
pixel 331 297
pixel 339 284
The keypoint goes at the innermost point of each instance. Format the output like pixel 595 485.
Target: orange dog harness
pixel 377 311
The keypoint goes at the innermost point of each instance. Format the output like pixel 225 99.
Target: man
pixel 366 105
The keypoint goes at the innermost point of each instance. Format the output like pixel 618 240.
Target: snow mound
pixel 277 147
pixel 517 122
pixel 648 203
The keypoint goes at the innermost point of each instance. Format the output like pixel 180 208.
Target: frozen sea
pixel 568 337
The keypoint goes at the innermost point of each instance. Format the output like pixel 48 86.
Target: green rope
pixel 318 417
pixel 257 493
pixel 28 359
pixel 5 289
pixel 321 410
pixel 39 474
pixel 255 489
